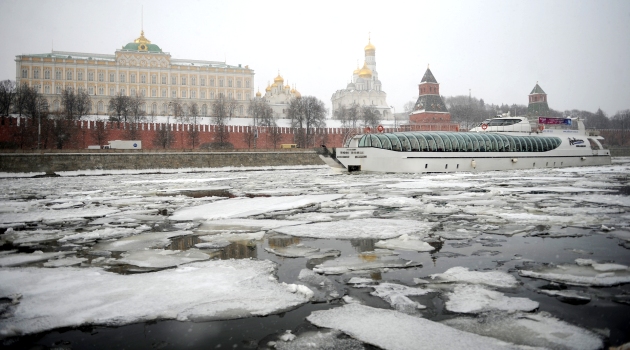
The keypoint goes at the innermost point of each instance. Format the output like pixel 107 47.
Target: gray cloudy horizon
pixel 578 51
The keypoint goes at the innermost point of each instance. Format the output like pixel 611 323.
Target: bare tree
pixel 370 116
pixel 276 136
pixel 305 114
pixel 23 94
pixel 135 107
pixel 118 108
pixel 193 131
pixel 222 110
pixel 100 132
pixel 7 96
pixel 164 137
pixel 261 112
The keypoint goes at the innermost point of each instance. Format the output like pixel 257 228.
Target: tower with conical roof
pixel 538 102
pixel 365 88
pixel 429 107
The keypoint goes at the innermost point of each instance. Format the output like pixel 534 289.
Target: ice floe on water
pixel 244 207
pixel 209 290
pixel 473 299
pixel 405 242
pixel 139 241
pixel 374 260
pixel 324 290
pixel 535 330
pixel 459 274
pixel 585 272
pixel 393 330
pixel 18 259
pixel 359 228
pixel 396 295
pixel 160 258
pixel 57 215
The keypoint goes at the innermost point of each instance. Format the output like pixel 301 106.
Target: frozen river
pixel 303 257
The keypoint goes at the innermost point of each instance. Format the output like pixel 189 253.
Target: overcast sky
pixel 577 50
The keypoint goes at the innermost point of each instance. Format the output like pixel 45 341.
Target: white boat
pixel 503 143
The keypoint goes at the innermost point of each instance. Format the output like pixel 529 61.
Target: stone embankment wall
pixel 55 162
pixel 620 152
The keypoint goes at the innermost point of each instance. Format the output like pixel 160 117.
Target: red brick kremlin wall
pixel 14 134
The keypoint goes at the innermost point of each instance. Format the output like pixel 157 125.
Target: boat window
pixel 454 142
pixel 497 143
pixel 439 143
pixel 395 142
pixel 424 143
pixel 545 144
pixel 539 146
pixel 527 146
pixel 431 142
pixel 477 140
pixel 375 141
pixel 446 142
pixel 469 141
pixel 413 141
pixel 386 144
pixel 461 143
pixel 484 143
pixel 517 144
pixel 362 141
pixel 404 142
pixel 508 143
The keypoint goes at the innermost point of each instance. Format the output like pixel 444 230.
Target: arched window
pixel 154 108
pixel 69 75
pixel 204 110
pixel 100 106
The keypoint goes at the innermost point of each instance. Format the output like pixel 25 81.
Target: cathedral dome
pixel 278 79
pixel 268 88
pixel 258 93
pixel 369 46
pixel 357 71
pixel 365 72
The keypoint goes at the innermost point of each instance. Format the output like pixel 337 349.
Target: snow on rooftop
pixel 210 290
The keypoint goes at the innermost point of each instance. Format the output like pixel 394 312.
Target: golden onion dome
pixel 268 88
pixel 365 72
pixel 357 71
pixel 258 93
pixel 369 46
pixel 287 87
pixel 278 79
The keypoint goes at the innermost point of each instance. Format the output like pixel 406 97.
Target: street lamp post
pixel 395 126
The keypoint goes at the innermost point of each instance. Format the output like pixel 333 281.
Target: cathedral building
pixel 538 105
pixel 278 96
pixel 138 68
pixel 429 107
pixel 365 89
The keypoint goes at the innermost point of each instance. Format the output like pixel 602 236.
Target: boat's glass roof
pixel 426 141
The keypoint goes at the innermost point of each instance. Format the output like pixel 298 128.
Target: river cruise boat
pixel 502 143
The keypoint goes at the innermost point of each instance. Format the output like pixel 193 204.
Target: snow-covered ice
pixel 375 260
pixel 583 273
pixel 459 274
pixel 395 330
pixel 360 228
pixel 405 242
pixel 473 299
pixel 209 290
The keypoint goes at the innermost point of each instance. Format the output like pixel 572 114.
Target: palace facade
pixel 138 68
pixel 365 89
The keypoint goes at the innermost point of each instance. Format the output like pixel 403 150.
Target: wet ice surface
pixel 520 258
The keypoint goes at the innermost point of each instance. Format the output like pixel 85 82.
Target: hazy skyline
pixel 578 51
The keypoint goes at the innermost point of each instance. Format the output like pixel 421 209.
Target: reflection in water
pixel 239 250
pixel 363 245
pixel 282 241
pixel 183 242
pixel 376 275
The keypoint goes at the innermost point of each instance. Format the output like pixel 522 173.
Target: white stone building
pixel 365 89
pixel 278 96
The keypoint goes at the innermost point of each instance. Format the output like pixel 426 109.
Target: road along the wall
pixel 54 162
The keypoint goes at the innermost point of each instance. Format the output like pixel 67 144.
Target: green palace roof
pixel 142 44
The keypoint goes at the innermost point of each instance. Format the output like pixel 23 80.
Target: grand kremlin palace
pixel 141 68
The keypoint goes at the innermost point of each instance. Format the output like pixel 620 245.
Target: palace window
pixel 154 79
pixel 193 94
pixel 173 80
pixel 153 93
pixel 212 95
pixel 203 81
pixel 238 83
pixel 240 110
pixel 220 82
pixel 101 77
pixel 143 92
pixel 132 92
pixel 80 89
pixel 47 89
pixel 220 94
pixel 100 106
pixel 36 74
pixel 163 92
pixel 58 75
pixel 24 73
pixel 174 94
pixel 183 80
pixel 230 95
pixel 132 78
pixel 230 83
pixel 123 92
pixel 247 83
pixel 91 90
pixel 58 90
pixel 143 79
pixel 211 82
pixel 101 91
pixel 111 91
pixel 203 94
pixel 239 95
pixel 193 81
pixel 80 76
pixel 90 76
pixel 204 110
pixel 111 77
pixel 122 78
pixel 164 79
pixel 56 105
pixel 154 108
pixel 69 75
pixel 184 93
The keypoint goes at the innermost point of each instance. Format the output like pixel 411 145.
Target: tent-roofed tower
pixel 538 102
pixel 429 107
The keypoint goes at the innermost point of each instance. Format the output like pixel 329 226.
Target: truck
pixel 124 144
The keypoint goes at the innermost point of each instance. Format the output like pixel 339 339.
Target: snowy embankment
pixel 211 290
